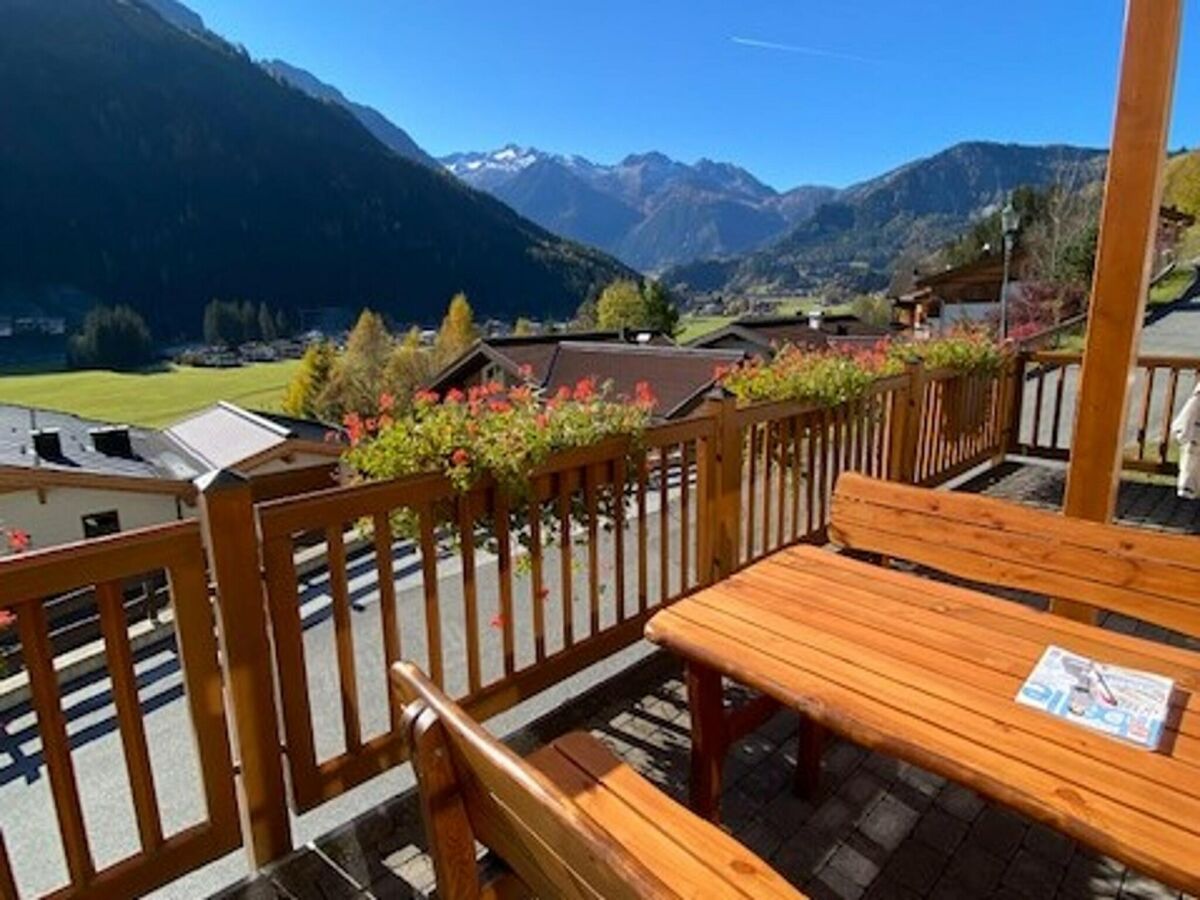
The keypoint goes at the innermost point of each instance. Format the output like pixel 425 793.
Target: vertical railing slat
pixel 1164 442
pixel 110 603
pixel 684 514
pixel 388 624
pixel 56 746
pixel 537 578
pixel 343 637
pixel 591 501
pixel 767 447
pixel 643 562
pixel 620 480
pixel 504 571
pixel 751 489
pixel 566 575
pixel 466 540
pixel 429 590
pixel 664 526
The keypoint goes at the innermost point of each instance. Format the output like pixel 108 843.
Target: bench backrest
pixel 1148 576
pixel 474 788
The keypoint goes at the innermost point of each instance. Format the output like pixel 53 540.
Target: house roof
pixel 225 435
pixel 678 376
pixel 154 458
pixel 512 353
pixel 768 332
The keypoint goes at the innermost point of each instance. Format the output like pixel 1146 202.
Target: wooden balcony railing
pixel 497 597
pixel 104 564
pixel 1162 384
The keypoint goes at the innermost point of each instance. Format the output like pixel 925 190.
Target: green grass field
pixel 152 399
pixel 1173 286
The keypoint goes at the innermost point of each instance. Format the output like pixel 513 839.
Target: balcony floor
pixel 878 828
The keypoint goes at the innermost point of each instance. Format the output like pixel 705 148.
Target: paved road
pixel 26 809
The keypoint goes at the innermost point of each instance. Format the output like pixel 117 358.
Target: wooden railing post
pixel 726 484
pixel 908 406
pixel 1015 406
pixel 231 538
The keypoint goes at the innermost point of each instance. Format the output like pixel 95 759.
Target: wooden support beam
pixel 1132 193
pixel 227 512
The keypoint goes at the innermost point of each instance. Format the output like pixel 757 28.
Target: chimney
pixel 112 441
pixel 46 443
pixel 814 320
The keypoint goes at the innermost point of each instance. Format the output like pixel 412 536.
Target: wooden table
pixel 927 672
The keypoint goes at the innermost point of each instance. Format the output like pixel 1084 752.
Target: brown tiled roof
pixel 797 330
pixel 535 351
pixel 678 376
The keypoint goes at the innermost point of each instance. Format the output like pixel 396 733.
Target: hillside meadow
pixel 151 399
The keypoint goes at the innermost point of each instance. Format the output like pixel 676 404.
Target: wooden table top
pixel 928 672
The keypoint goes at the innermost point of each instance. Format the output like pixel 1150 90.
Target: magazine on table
pixel 1119 702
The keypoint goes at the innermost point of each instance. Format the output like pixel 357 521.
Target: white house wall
pixel 60 519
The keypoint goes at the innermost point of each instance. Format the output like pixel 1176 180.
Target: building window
pixel 493 372
pixel 99 524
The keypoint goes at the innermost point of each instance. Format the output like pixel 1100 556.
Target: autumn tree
pixel 410 366
pixel 621 305
pixel 458 329
pixel 358 376
pixel 304 392
pixel 523 327
pixel 625 304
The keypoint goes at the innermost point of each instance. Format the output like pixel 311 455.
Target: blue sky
pixel 797 92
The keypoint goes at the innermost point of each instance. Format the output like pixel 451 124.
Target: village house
pixel 762 336
pixel 65 478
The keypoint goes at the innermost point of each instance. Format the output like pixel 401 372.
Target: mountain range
pixel 648 210
pixel 153 163
pixel 856 237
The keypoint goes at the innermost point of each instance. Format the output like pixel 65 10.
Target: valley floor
pixel 150 399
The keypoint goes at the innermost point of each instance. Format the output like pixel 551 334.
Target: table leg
pixel 808 757
pixel 709 739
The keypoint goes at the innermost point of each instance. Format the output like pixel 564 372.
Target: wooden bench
pixel 572 820
pixel 927 671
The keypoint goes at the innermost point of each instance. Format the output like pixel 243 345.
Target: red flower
pixel 460 457
pixel 454 395
pixel 387 402
pixel 493 387
pixel 643 396
pixel 354 427
pixel 425 398
pixel 543 593
pixel 542 420
pixel 6 619
pixel 497 620
pixel 563 394
pixel 525 371
pixel 585 389
pixel 499 406
pixel 18 541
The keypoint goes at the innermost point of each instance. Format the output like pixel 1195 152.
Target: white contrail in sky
pixel 806 51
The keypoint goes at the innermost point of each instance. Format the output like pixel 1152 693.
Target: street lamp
pixel 1010 222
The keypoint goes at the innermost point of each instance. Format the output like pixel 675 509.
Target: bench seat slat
pixel 953 741
pixel 702 859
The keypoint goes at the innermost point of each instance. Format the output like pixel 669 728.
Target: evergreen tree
pixel 266 323
pixel 248 319
pixel 111 338
pixel 283 325
pixel 661 312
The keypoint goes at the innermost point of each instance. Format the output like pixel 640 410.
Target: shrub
pixel 836 376
pixel 826 377
pixel 490 431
